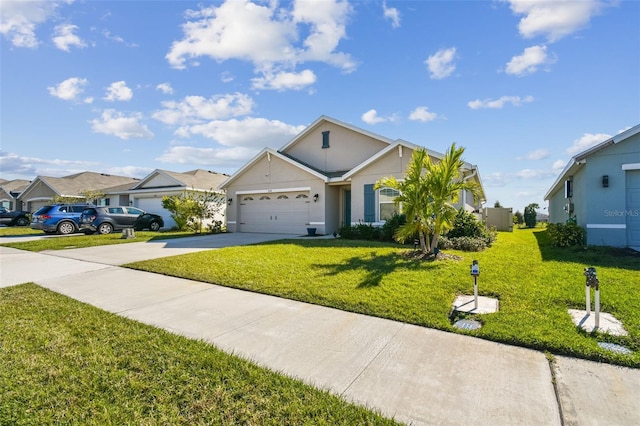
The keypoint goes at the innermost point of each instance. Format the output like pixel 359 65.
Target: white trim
pixel 269 191
pixel 231 222
pixel 28 200
pixel 606 226
pixel 631 166
pixel 316 223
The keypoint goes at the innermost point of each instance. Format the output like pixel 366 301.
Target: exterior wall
pixel 391 164
pixel 333 209
pixel 39 195
pixel 159 181
pixel 346 149
pixel 274 175
pixel 601 210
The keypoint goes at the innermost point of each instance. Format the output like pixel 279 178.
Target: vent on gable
pixel 325 139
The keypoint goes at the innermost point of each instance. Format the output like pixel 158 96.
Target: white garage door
pixel 154 205
pixel 275 213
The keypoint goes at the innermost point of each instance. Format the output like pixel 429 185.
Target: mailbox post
pixel 592 282
pixel 475 271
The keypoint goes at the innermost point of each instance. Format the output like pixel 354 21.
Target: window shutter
pixel 369 203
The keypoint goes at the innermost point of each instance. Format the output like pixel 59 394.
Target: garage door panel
pixel 286 213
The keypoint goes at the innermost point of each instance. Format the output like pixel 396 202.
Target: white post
pixel 597 308
pixel 475 292
pixel 588 294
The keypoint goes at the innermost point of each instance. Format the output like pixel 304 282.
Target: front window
pixel 387 206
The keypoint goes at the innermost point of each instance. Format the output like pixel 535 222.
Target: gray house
pixel 599 189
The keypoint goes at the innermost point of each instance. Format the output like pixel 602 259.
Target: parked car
pixel 106 219
pixel 58 218
pixel 14 217
pixel 150 221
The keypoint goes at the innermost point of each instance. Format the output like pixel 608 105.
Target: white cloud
pixel 423 114
pixel 499 103
pixel 221 157
pixel 535 174
pixel 117 124
pixel 19 20
pixel 28 167
pixel 371 117
pixel 165 88
pixel 558 165
pixel 392 14
pixel 554 19
pixel 265 34
pixel 285 80
pixel 64 37
pixel 586 141
pixel 538 154
pixel 528 63
pixel 441 64
pixel 107 34
pixel 197 109
pixel 69 89
pixel 253 133
pixel 118 91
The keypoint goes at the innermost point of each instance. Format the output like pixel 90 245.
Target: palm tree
pixel 428 194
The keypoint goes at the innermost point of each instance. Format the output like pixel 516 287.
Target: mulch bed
pixel 430 257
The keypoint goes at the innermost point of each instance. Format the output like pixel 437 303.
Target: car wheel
pixel 22 221
pixel 105 228
pixel 154 226
pixel 66 228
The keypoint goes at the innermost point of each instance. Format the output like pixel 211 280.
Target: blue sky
pixel 126 87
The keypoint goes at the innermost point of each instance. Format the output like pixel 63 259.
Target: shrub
pixel 462 243
pixel 361 231
pixel 469 234
pixel 566 235
pixel 388 230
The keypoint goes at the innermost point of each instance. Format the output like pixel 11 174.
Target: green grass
pixel 81 240
pixel 64 362
pixel 6 231
pixel 535 283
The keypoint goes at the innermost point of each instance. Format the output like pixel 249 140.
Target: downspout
pixel 474 170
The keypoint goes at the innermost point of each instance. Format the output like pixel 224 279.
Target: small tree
pixel 190 209
pixel 518 219
pixel 530 215
pixel 497 204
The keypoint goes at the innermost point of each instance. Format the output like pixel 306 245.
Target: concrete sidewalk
pixel 417 375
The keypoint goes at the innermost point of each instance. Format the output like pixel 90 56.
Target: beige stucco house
pixel 323 178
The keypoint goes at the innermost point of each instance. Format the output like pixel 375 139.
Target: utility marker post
pixel 475 271
pixel 592 281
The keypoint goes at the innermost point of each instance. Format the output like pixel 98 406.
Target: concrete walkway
pixel 414 374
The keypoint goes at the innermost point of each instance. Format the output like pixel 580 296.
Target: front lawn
pixel 535 283
pixel 65 362
pixel 82 241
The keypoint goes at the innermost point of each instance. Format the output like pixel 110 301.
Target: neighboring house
pixel 599 189
pixel 323 178
pixel 43 189
pixel 147 193
pixel 9 192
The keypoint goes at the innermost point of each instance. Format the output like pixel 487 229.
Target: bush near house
pixel 566 235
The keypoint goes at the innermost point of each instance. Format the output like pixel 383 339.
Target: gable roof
pixel 16 185
pixel 197 179
pixel 267 152
pixel 73 185
pixel 327 119
pixel 578 160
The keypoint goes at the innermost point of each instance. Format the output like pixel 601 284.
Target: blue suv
pixel 58 218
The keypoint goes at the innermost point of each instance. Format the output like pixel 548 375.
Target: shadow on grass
pixel 597 256
pixel 375 267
